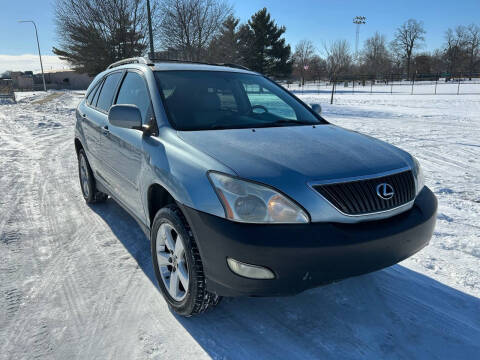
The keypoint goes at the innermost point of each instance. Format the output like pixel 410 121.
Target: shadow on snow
pixel 393 313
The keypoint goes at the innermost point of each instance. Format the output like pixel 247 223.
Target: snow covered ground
pixel 77 281
pixel 471 87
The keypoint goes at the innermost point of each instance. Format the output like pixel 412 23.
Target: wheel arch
pixel 78 145
pixel 157 198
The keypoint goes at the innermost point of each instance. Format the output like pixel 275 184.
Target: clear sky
pixel 318 20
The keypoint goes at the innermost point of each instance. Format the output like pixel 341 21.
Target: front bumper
pixel 303 256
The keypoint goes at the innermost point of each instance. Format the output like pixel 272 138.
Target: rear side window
pixel 108 91
pixel 95 97
pixel 92 93
pixel 134 91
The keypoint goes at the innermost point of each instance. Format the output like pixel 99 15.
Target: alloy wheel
pixel 84 176
pixel 172 262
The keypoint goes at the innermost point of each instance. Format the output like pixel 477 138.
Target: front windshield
pixel 203 100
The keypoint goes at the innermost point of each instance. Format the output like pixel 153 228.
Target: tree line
pixel 402 56
pixel 94 33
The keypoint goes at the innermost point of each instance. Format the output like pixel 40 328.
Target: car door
pixel 100 105
pixel 124 147
pixel 92 125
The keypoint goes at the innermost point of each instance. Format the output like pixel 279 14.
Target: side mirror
pixel 125 116
pixel 317 108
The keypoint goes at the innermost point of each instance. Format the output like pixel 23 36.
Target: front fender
pixel 181 170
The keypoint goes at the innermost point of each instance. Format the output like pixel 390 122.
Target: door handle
pixel 105 130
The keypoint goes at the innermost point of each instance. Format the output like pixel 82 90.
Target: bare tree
pixel 190 25
pixel 339 58
pixel 375 55
pixel 302 57
pixel 438 62
pixel 408 37
pixel 472 43
pixel 339 61
pixel 462 48
pixel 422 64
pixel 455 41
pixel 318 67
pixel 95 33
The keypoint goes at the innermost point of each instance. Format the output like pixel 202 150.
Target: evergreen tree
pixel 224 48
pixel 262 46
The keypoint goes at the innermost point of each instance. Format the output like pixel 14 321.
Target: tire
pixel 87 181
pixel 187 296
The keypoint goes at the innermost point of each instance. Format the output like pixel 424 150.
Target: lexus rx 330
pixel 241 187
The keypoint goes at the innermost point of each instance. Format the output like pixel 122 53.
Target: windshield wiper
pixel 290 121
pixel 259 125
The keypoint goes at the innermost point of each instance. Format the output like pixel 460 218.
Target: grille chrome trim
pixel 361 177
pixel 404 206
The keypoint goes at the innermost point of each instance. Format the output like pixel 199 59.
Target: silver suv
pixel 241 187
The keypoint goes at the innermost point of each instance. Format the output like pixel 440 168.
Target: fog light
pixel 249 271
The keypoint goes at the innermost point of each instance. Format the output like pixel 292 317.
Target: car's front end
pixel 297 202
pixel 298 219
pixel 264 259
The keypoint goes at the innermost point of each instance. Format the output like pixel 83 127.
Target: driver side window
pixel 264 99
pixel 134 91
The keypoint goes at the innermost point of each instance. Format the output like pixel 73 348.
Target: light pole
pixel 150 32
pixel 39 53
pixel 358 20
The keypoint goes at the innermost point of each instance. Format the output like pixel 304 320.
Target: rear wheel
pixel 87 181
pixel 177 264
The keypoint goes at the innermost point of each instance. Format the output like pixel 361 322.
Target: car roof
pixel 189 66
pixel 168 65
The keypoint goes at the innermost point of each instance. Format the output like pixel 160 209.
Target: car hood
pixel 283 156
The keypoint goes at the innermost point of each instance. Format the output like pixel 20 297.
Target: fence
pixel 419 84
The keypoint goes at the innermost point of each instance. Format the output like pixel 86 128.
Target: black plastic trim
pixel 329 251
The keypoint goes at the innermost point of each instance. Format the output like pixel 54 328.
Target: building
pixel 22 80
pixel 65 79
pixel 54 79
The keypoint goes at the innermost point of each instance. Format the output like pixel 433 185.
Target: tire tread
pixel 97 197
pixel 205 300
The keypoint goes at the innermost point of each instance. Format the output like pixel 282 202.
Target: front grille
pixel 360 196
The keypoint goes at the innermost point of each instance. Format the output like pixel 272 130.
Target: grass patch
pixel 47 98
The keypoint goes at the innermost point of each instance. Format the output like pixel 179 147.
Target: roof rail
pixel 134 60
pixel 236 66
pixel 179 61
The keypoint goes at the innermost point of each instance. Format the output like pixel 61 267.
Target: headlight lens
pixel 418 172
pixel 245 201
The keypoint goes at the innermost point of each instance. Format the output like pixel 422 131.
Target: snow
pixel 442 87
pixel 77 280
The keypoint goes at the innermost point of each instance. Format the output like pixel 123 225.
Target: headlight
pixel 245 201
pixel 418 172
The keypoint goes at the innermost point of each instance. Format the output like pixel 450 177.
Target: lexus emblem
pixel 385 191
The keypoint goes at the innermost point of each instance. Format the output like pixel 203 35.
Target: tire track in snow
pixel 72 286
pixel 76 285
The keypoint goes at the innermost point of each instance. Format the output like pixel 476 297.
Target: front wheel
pixel 177 264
